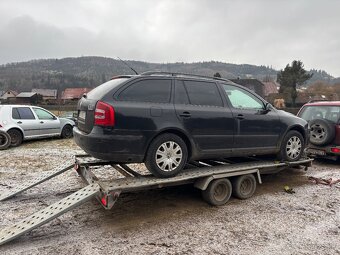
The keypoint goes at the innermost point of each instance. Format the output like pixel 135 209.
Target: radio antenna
pixel 128 65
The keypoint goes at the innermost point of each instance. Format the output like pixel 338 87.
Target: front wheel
pixel 292 146
pixel 166 156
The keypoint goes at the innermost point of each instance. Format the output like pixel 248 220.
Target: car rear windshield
pixel 104 88
pixel 331 113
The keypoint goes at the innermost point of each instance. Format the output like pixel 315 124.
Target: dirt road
pixel 173 220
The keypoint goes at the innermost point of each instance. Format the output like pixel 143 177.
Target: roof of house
pixel 46 92
pixel 8 92
pixel 270 87
pixel 245 82
pixel 26 94
pixel 74 93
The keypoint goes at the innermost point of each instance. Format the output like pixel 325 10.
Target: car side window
pixel 42 114
pixel 242 99
pixel 203 93
pixel 155 91
pixel 22 113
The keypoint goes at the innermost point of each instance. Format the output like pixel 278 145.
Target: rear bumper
pixel 323 151
pixel 119 148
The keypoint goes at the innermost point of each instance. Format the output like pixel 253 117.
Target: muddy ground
pixel 171 220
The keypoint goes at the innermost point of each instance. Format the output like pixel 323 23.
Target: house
pixel 270 87
pixel 47 93
pixel 27 98
pixel 74 93
pixel 252 84
pixel 8 94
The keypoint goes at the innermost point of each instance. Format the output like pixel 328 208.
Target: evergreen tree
pixel 291 78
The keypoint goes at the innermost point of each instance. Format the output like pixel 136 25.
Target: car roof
pixel 323 103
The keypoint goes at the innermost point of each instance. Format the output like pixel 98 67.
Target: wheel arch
pixel 297 128
pixel 19 129
pixel 178 132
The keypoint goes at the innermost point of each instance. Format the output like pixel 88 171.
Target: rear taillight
pixel 335 150
pixel 104 115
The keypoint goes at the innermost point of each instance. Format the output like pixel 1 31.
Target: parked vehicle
pixel 166 120
pixel 324 122
pixel 24 122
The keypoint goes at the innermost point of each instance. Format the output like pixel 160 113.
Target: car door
pixel 201 111
pixel 256 127
pixel 26 120
pixel 48 124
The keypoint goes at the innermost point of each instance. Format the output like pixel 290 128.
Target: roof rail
pixel 149 73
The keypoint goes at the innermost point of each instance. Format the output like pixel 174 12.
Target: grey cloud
pixel 257 32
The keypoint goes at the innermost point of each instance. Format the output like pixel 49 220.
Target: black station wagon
pixel 168 119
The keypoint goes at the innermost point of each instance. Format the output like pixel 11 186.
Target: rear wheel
pixel 292 146
pixel 218 192
pixel 16 137
pixel 167 155
pixel 5 140
pixel 244 186
pixel 67 131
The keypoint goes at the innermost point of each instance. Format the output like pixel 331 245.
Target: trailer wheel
pixel 244 186
pixel 5 140
pixel 218 192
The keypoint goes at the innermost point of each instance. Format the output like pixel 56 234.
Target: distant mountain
pixel 92 71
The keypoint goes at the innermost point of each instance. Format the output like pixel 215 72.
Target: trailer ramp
pixel 42 178
pixel 51 212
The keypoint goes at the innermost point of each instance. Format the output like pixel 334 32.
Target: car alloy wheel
pixel 169 156
pixel 293 147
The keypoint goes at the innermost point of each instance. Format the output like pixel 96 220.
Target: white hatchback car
pixel 24 122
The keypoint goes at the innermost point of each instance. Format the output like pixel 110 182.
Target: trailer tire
pixel 172 148
pixel 218 192
pixel 244 186
pixel 5 140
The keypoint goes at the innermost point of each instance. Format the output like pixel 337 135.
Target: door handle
pixel 239 116
pixel 185 114
pixel 19 122
pixel 41 122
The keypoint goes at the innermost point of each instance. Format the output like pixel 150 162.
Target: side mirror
pixel 267 108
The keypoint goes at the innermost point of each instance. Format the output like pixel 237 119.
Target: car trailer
pixel 217 179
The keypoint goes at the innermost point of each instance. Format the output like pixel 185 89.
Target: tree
pixel 291 78
pixel 217 75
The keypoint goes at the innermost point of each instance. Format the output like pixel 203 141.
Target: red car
pixel 323 118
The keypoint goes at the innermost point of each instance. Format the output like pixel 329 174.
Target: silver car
pixel 24 122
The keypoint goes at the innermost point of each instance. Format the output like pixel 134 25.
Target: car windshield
pixel 331 113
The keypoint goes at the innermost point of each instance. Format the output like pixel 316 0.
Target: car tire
pixel 322 132
pixel 244 186
pixel 5 140
pixel 16 137
pixel 166 156
pixel 292 146
pixel 67 131
pixel 218 192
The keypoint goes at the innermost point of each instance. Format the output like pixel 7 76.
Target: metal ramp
pixel 51 212
pixel 42 178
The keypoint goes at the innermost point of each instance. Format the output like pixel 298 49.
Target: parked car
pixel 24 122
pixel 72 115
pixel 166 120
pixel 324 122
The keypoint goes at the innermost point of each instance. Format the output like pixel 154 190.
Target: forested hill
pixel 92 71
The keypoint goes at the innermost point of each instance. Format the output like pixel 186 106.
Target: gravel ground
pixel 172 220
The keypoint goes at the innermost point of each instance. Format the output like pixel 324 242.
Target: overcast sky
pixel 260 32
